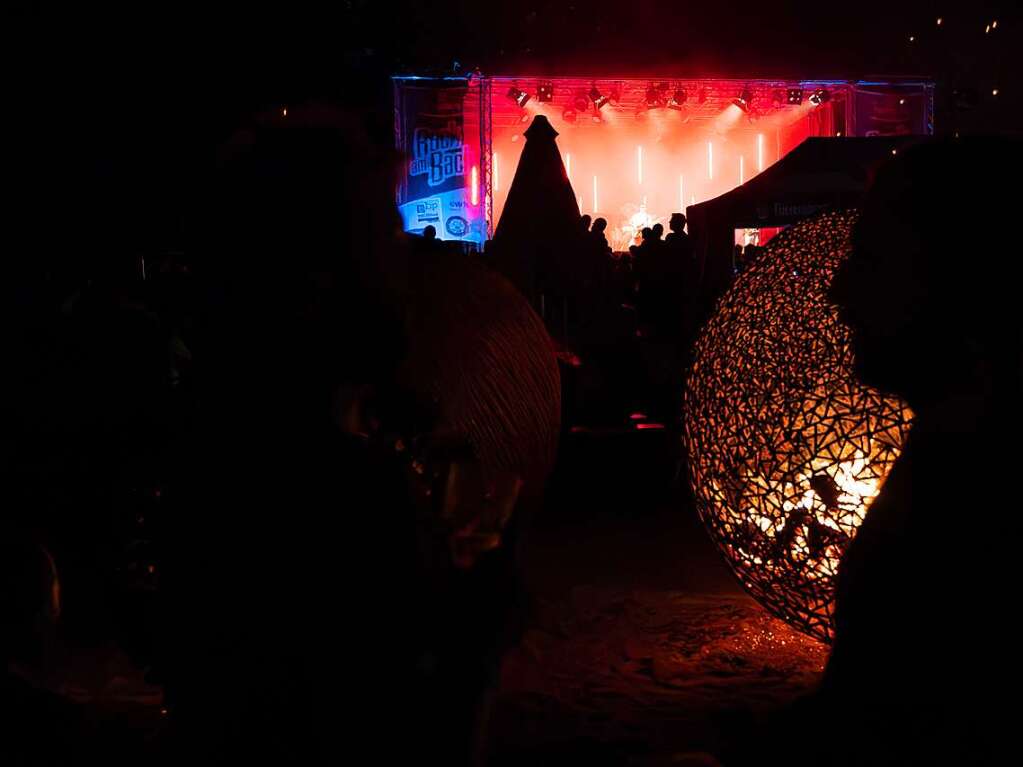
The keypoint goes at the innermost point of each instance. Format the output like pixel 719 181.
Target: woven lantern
pixel 786 448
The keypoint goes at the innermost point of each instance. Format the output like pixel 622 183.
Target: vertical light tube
pixel 475 195
pixel 496 174
pixel 568 166
pixel 742 170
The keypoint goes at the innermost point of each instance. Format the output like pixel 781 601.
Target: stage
pixel 635 150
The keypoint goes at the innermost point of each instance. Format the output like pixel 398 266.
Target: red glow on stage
pixel 637 165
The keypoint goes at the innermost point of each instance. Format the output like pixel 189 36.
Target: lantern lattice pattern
pixel 786 448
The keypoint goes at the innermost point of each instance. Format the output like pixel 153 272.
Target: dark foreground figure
pixel 923 669
pixel 340 572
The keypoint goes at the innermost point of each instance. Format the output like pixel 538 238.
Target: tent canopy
pixel 819 174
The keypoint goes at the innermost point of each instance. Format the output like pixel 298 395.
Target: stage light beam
pixel 639 164
pixel 494 172
pixel 742 170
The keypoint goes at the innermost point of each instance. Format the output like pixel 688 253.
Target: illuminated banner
pixel 439 186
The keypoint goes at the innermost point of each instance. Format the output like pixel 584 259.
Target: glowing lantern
pixel 786 448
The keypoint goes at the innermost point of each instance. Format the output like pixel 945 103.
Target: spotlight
pixel 519 97
pixel 599 99
pixel 678 98
pixel 654 98
pixel 819 96
pixel 795 95
pixel 545 91
pixel 744 99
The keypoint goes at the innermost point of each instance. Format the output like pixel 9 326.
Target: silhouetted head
pixel 584 223
pixel 929 307
pixel 430 232
pixel 647 233
pixel 658 231
pixel 600 225
pixel 677 223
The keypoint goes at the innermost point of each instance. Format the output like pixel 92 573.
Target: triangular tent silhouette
pixel 539 229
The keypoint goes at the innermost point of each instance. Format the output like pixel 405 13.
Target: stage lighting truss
pixel 520 97
pixel 795 96
pixel 819 96
pixel 545 91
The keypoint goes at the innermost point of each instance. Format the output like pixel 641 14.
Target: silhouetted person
pixel 599 236
pixel 430 233
pixel 677 227
pixel 584 222
pixel 918 663
pixel 342 555
pixel 657 230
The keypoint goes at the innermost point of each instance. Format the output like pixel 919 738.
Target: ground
pixel 642 649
